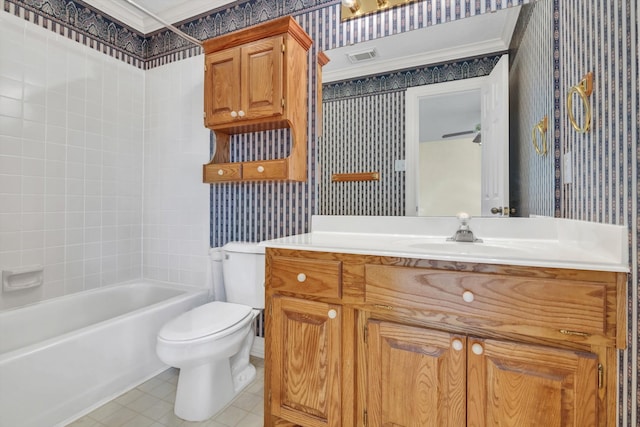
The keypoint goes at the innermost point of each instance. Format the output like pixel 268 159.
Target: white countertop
pixel 538 242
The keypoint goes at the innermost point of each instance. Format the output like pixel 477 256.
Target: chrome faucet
pixel 464 233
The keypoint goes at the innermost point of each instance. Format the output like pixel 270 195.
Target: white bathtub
pixel 63 357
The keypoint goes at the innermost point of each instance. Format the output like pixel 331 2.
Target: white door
pixel 495 139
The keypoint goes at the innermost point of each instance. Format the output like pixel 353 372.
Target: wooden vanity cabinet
pixel 434 343
pixel 256 80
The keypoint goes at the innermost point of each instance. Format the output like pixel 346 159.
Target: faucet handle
pixel 463 217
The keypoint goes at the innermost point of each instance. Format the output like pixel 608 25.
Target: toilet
pixel 210 344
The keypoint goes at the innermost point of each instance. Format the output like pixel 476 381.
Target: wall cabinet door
pixel 262 78
pixel 305 358
pixel 514 384
pixel 416 377
pixel 222 86
pixel 244 83
pixel 422 377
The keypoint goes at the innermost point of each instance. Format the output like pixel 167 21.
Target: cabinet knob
pixel 457 345
pixel 332 314
pixel 302 277
pixel 220 172
pixel 477 349
pixel 467 296
pixel 241 113
pixel 260 169
pixel 234 114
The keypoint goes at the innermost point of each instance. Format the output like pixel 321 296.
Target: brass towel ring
pixel 541 128
pixel 584 90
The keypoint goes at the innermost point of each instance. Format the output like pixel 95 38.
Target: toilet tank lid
pixel 244 247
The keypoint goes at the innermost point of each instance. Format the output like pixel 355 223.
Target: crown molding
pixel 412 61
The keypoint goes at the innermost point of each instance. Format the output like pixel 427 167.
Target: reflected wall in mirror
pixel 364 116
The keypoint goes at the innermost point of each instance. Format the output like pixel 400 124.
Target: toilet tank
pixel 243 272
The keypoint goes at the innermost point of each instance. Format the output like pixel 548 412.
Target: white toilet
pixel 211 343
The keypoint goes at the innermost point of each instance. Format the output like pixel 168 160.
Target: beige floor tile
pixel 129 397
pixel 170 420
pixel 251 420
pixel 139 421
pixel 158 410
pixel 162 390
pixel 144 402
pixel 230 416
pixel 119 418
pixel 151 405
pixel 247 401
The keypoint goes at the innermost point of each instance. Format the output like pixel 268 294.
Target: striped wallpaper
pixel 601 36
pixel 598 35
pixel 531 81
pixel 354 141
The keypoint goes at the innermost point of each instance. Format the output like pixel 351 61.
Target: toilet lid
pixel 205 320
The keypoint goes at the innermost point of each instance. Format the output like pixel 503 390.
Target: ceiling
pixel 171 11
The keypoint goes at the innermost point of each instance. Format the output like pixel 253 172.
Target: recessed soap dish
pixel 22 278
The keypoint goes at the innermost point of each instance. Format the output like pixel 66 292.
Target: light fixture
pixel 352 5
pixel 357 8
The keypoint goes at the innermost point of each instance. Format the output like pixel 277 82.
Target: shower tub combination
pixel 63 357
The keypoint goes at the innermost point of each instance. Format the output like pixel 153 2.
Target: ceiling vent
pixel 365 55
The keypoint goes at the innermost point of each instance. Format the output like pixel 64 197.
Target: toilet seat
pixel 216 318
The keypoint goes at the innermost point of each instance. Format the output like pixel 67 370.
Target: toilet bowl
pixel 211 344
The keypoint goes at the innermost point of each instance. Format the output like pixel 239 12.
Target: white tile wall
pixel 176 202
pixel 72 159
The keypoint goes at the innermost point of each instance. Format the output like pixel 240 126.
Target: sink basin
pixel 486 248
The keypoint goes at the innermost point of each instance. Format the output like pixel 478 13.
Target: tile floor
pixel 151 405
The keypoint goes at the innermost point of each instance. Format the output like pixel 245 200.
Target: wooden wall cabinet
pixel 360 340
pixel 256 80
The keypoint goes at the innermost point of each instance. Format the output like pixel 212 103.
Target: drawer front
pixel 268 169
pixel 306 276
pixel 502 300
pixel 220 172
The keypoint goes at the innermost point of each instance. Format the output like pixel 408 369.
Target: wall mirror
pixel 437 123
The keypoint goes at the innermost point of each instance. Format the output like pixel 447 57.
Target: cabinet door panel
pixel 262 76
pixel 519 385
pixel 415 377
pixel 306 354
pixel 222 88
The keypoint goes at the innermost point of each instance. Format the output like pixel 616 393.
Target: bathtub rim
pixel 189 292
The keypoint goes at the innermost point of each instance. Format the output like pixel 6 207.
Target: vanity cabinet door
pixel 514 385
pixel 415 376
pixel 305 359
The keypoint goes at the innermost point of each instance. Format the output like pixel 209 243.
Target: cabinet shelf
pixel 256 80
